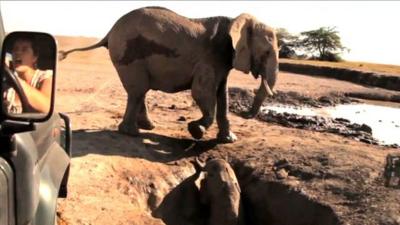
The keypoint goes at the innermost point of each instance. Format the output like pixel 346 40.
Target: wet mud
pixel 241 100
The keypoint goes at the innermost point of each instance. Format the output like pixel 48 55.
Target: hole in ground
pixel 264 201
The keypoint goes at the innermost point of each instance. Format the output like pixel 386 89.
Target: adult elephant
pixel 155 48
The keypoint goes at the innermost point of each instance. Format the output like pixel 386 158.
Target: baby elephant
pixel 219 191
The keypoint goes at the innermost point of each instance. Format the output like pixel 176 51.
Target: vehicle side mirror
pixel 27 75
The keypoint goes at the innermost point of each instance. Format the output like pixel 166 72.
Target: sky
pixel 370 29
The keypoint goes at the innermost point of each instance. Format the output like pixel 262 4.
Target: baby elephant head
pixel 219 189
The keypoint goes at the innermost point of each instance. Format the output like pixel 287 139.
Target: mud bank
pixel 266 197
pixel 240 100
pixel 374 96
pixel 389 82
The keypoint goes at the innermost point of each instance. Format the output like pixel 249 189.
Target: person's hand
pixel 25 72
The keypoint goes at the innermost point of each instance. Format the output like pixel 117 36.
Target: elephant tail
pixel 103 43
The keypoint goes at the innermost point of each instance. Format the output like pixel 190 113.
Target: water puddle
pixel 384 121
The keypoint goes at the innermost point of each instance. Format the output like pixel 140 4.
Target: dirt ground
pixel 118 179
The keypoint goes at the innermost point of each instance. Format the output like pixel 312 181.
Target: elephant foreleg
pixel 203 92
pixel 224 134
pixel 197 128
pixel 143 120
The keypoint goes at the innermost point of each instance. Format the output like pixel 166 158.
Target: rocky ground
pixel 289 173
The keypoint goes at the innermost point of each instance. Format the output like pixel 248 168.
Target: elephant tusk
pixel 267 88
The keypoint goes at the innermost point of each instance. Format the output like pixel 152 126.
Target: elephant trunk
pixel 268 79
pixel 261 94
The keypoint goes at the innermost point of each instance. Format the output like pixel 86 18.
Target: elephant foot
pixel 226 138
pixel 128 130
pixel 145 125
pixel 248 115
pixel 196 130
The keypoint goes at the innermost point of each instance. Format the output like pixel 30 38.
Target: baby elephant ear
pixel 199 182
pixel 241 31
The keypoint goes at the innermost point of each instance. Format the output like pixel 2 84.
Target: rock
pixel 393 146
pixel 366 140
pixel 292 181
pixel 326 100
pixel 366 128
pixel 280 164
pixel 281 174
pixel 173 106
pixel 343 120
pixel 390 220
pixel 182 118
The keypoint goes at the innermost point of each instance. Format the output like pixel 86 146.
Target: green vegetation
pixel 321 44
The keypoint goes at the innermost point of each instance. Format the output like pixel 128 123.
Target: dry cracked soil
pixel 288 175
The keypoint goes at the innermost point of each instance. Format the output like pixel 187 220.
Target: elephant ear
pixel 240 32
pixel 201 184
pixel 198 182
pixel 198 165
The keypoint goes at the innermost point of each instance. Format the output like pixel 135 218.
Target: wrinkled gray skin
pixel 220 192
pixel 155 48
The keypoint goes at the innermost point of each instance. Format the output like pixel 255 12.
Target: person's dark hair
pixel 30 39
pixel 43 46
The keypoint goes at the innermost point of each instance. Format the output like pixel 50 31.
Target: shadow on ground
pixel 149 146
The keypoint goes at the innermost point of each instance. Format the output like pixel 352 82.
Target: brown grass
pixel 362 66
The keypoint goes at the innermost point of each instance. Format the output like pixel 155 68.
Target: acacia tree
pixel 325 41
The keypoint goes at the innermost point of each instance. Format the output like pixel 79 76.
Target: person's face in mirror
pixel 23 54
pixel 35 84
pixel 29 61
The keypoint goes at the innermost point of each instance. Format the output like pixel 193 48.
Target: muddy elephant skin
pixel 155 48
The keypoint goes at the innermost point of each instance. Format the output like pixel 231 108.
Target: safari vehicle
pixel 34 145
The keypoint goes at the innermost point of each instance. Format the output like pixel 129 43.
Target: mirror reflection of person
pixel 36 83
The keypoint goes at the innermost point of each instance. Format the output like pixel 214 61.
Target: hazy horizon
pixel 366 28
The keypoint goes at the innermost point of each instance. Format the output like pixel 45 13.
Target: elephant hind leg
pixel 143 121
pixel 136 83
pixel 129 125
